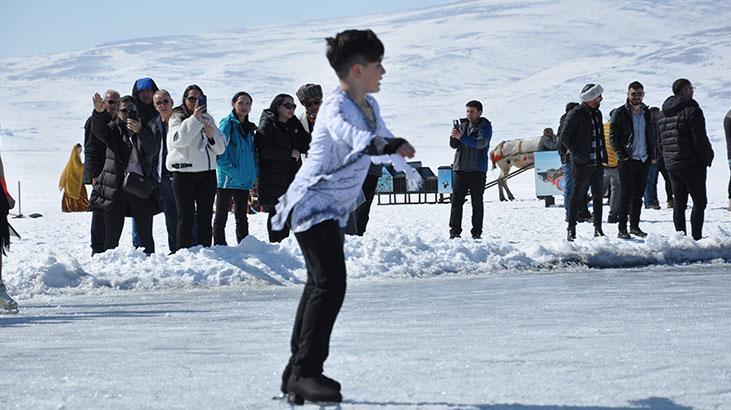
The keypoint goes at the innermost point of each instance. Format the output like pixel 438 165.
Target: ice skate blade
pixel 10 311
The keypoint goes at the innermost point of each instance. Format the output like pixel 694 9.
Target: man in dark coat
pixel 471 142
pixel 94 156
pixel 632 134
pixel 582 134
pixel 687 153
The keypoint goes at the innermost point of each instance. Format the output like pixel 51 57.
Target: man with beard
pixel 632 135
pixel 687 152
pixel 582 134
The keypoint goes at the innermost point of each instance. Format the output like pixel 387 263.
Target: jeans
pixel 568 184
pixel 611 184
pixel 171 212
pixel 690 180
pixel 240 199
pixel 194 195
pixel 632 184
pixel 322 297
pixel 474 182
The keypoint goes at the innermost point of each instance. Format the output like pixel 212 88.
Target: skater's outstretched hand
pixel 406 150
pixel 399 146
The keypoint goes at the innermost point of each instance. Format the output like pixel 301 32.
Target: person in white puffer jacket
pixel 193 141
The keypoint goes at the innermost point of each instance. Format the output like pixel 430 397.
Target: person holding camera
pixel 193 142
pixel 127 184
pixel 280 140
pixel 470 138
pixel 236 169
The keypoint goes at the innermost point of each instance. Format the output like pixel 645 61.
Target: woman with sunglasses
pixel 236 169
pixel 132 151
pixel 193 141
pixel 280 141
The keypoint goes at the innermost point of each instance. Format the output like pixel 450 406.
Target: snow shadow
pixel 21 320
pixel 651 403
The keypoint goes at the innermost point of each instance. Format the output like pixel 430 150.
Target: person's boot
pixel 6 302
pixel 729 204
pixel 571 234
pixel 285 377
pixel 636 231
pixel 331 382
pixel 623 234
pixel 598 231
pixel 314 389
pixel 670 204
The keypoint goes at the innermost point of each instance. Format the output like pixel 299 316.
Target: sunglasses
pixel 163 102
pixel 191 98
pixel 124 110
pixel 638 94
pixel 112 102
pixel 289 106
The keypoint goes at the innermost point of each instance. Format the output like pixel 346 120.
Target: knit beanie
pixel 309 92
pixel 590 92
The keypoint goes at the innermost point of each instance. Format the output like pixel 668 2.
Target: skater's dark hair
pixel 475 104
pixel 679 85
pixel 636 85
pixel 353 47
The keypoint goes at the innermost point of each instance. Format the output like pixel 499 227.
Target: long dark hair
pixel 182 106
pixel 277 101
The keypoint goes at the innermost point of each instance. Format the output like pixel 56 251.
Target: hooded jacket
pixel 472 148
pixel 147 112
pixel 576 134
pixel 683 134
pixel 189 150
pixel 274 142
pixel 237 167
pixel 114 134
pixel 622 132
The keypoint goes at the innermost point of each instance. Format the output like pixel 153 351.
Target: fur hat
pixel 309 92
pixel 590 92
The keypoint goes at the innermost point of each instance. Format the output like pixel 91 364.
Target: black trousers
pixel 632 184
pixel 97 231
pixel 274 235
pixel 322 248
pixel 690 180
pixel 142 210
pixel 224 197
pixel 361 213
pixel 582 177
pixel 474 182
pixel 194 195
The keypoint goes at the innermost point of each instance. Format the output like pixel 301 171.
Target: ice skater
pixel 348 133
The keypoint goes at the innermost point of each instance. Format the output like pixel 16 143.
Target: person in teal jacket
pixel 236 170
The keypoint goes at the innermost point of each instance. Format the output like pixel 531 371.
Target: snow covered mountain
pixel 523 59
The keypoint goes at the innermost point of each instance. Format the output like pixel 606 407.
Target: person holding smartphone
pixel 193 142
pixel 131 148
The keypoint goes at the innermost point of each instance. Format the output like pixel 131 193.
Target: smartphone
pixel 133 115
pixel 455 124
pixel 202 101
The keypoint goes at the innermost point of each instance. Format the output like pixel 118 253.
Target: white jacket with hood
pixel 189 150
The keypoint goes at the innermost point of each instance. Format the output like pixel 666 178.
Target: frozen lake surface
pixel 652 338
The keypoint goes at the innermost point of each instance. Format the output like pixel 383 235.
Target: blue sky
pixel 30 27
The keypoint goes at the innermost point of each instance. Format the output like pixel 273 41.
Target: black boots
pixel 598 231
pixel 571 234
pixel 623 234
pixel 316 389
pixel 636 231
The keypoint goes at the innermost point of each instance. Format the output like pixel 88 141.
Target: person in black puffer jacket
pixel 687 152
pixel 130 148
pixel 280 141
pixel 727 130
pixel 582 134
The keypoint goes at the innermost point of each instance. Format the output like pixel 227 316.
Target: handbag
pixel 136 184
